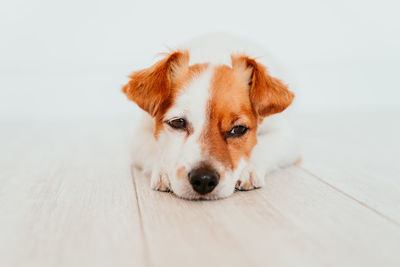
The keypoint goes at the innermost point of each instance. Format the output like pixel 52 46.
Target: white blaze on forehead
pixel 191 102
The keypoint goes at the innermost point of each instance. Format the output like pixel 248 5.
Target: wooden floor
pixel 68 197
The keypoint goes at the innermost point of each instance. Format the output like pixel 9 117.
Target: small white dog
pixel 211 124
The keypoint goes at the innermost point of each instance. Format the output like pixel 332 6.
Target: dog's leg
pixel 144 154
pixel 274 150
pixel 160 182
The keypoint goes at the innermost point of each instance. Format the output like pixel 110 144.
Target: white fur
pixel 162 158
pixel 217 48
pixel 179 151
pixel 276 148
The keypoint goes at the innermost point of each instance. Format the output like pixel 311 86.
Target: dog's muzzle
pixel 203 180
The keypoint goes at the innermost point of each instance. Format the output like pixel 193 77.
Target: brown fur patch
pixel 229 106
pixel 181 172
pixel 241 95
pixel 151 88
pixel 154 89
pixel 268 95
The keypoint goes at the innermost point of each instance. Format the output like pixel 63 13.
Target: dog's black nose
pixel 203 180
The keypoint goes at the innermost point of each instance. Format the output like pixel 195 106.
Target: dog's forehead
pixel 218 92
pixel 191 100
pixel 229 97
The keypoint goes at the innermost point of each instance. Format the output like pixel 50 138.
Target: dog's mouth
pixel 192 195
pixel 199 197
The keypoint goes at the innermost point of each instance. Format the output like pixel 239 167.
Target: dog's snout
pixel 203 180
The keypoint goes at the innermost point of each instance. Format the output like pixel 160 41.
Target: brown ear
pixel 268 95
pixel 151 88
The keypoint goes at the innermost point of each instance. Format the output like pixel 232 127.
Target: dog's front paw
pixel 250 179
pixel 160 182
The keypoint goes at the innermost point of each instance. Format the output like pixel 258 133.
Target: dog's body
pixel 212 124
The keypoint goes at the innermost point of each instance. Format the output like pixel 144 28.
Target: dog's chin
pixel 192 195
pixel 196 196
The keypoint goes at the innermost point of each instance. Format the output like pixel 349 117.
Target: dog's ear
pixel 151 88
pixel 268 95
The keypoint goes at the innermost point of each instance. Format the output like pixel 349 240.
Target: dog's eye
pixel 177 123
pixel 237 131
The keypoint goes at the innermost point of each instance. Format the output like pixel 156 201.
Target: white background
pixel 69 59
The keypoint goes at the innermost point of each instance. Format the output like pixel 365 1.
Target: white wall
pixel 68 59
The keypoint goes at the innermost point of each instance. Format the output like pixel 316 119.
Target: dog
pixel 212 119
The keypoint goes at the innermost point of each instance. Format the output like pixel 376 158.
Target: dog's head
pixel 206 118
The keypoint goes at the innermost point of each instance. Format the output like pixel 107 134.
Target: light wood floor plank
pixel 296 220
pixel 357 154
pixel 66 196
